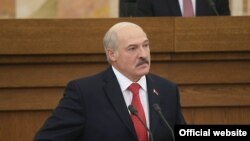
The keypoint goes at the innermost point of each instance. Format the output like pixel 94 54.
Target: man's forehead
pixel 123 25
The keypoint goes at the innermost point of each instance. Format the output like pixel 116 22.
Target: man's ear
pixel 111 54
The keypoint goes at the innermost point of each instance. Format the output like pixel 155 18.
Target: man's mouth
pixel 142 62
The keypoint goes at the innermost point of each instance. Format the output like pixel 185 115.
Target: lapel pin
pixel 155 92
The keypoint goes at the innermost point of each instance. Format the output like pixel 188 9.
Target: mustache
pixel 142 61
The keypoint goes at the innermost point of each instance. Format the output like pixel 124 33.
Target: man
pixel 157 8
pixel 96 108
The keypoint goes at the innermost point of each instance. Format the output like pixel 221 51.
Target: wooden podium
pixel 208 57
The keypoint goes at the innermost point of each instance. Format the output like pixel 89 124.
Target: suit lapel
pixel 114 94
pixel 203 8
pixel 175 7
pixel 154 98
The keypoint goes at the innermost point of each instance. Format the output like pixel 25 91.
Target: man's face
pixel 132 57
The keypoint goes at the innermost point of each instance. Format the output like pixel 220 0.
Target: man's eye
pixel 131 48
pixel 145 45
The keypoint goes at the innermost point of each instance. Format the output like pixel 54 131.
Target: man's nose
pixel 142 52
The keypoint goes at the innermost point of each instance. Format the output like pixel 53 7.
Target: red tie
pixel 136 102
pixel 188 10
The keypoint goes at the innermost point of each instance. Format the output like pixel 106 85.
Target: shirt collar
pixel 124 82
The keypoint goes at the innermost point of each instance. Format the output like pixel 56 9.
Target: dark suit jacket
pixel 172 8
pixel 93 109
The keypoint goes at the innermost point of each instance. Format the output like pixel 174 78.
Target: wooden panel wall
pixel 208 57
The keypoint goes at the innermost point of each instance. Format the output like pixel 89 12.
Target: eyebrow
pixel 146 41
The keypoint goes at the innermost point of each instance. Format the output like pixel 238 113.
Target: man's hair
pixel 110 38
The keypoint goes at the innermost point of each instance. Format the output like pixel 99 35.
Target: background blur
pixel 81 8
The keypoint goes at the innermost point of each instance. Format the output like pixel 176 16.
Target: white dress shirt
pixel 124 83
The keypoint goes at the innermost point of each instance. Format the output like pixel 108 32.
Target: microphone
pixel 157 109
pixel 212 5
pixel 134 112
